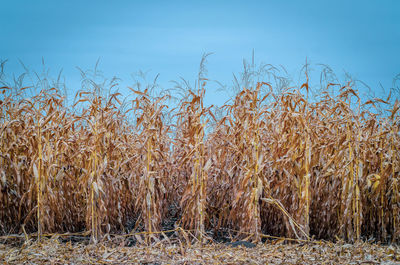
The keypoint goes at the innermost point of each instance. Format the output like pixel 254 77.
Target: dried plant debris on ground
pixel 52 251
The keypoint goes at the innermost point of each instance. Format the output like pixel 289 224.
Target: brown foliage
pixel 275 163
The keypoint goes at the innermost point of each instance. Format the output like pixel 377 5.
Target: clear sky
pixel 169 37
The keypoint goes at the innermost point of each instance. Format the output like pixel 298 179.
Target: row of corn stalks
pixel 278 164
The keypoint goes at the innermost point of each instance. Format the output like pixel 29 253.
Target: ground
pixel 54 251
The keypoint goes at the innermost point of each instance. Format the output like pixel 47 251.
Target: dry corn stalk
pixel 191 127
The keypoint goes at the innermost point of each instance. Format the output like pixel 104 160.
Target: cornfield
pixel 266 163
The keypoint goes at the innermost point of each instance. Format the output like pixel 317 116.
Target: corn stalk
pixel 39 181
pixel 193 200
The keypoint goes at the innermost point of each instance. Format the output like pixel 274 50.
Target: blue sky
pixel 169 38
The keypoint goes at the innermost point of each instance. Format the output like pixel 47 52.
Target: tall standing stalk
pixel 381 186
pixel 202 197
pixel 395 188
pixel 247 112
pixel 199 176
pixel 357 189
pixel 193 200
pixel 306 196
pixel 256 183
pixel 39 181
pixel 93 184
pixel 358 172
pixel 149 188
pixel 349 180
pixel 151 161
